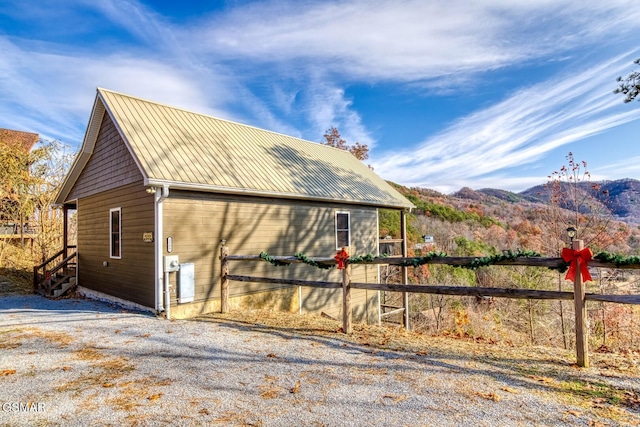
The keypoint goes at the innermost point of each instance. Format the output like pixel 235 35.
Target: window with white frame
pixel 115 233
pixel 343 229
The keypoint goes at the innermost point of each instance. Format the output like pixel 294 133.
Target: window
pixel 115 233
pixel 343 230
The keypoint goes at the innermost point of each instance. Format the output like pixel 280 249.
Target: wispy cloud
pixel 515 132
pixel 411 40
pixel 629 167
pixel 59 93
pixel 324 46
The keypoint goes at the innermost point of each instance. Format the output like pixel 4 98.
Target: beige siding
pixel 110 166
pixel 198 222
pixel 132 276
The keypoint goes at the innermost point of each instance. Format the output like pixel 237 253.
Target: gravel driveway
pixel 79 362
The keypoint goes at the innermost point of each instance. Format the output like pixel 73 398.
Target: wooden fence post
pixel 582 336
pixel 405 270
pixel 346 301
pixel 224 281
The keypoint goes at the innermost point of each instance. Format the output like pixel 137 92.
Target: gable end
pixel 110 165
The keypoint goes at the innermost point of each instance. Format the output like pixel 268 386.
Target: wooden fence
pixel 579 295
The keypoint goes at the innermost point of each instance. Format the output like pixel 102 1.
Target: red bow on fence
pixel 342 258
pixel 572 256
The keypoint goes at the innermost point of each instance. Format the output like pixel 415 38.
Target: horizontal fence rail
pixel 445 290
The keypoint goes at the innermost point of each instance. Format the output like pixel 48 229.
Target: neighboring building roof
pixel 24 139
pixel 192 151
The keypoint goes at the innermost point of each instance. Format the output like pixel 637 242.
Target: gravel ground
pixel 79 362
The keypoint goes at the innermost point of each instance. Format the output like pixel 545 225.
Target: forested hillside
pixel 496 220
pixel 487 222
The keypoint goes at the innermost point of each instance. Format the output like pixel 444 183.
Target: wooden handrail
pixel 48 260
pixel 51 258
pixel 37 281
pixel 63 263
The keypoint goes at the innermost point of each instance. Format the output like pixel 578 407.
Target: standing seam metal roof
pixel 194 151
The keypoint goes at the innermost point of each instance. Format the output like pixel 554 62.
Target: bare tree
pixel 333 139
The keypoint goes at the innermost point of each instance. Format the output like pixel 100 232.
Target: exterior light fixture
pixel 571 232
pixel 151 190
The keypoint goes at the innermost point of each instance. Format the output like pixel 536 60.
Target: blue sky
pixel 446 93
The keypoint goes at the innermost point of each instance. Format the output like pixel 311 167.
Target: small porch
pixel 57 275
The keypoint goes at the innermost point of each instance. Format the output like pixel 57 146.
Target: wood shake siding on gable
pixel 197 222
pixel 132 276
pixel 110 165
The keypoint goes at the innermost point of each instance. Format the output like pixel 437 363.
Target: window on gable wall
pixel 115 233
pixel 343 230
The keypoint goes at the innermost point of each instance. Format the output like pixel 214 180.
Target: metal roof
pixel 194 151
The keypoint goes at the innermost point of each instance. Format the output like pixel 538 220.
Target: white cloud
pixel 515 132
pixel 410 40
pixel 629 167
pixel 52 93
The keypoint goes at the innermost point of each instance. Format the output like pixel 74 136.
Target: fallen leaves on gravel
pixel 270 390
pixel 510 390
pixel 395 398
pixel 544 380
pixel 489 396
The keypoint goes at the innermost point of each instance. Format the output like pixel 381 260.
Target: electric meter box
pixel 171 263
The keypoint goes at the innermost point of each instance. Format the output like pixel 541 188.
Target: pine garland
pixel 364 258
pixel 265 256
pixel 302 257
pixel 418 261
pixel 504 256
pixel 618 260
pixel 476 263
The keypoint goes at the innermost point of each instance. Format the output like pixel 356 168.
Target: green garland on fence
pixel 364 258
pixel 418 261
pixel 476 263
pixel 265 256
pixel 302 257
pixel 618 260
pixel 504 256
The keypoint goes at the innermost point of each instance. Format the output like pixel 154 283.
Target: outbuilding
pixel 155 185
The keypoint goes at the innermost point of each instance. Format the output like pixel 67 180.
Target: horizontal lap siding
pixel 198 222
pixel 132 276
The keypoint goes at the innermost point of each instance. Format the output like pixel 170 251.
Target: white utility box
pixel 186 282
pixel 171 263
